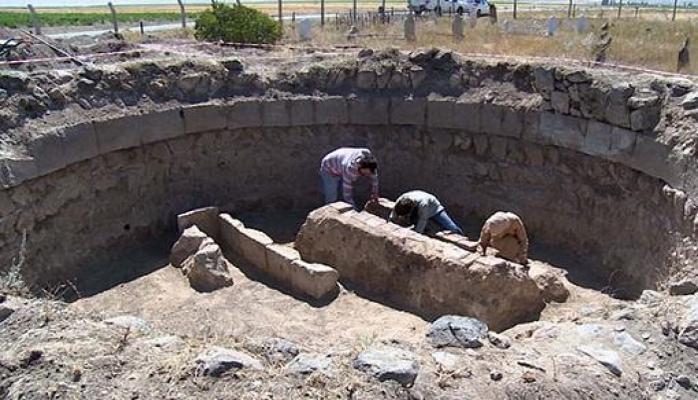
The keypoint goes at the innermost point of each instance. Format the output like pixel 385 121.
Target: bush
pixel 237 24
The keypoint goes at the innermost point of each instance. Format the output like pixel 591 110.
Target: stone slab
pixel 655 159
pixel 205 218
pixel 134 130
pixel 204 117
pixel 467 116
pixel 230 232
pixel 369 110
pixel 79 142
pixel 253 247
pixel 491 119
pixel 276 113
pixel 244 113
pixel 563 130
pixel 597 141
pixel 512 123
pixel 331 111
pixel 408 111
pixel 302 111
pixel 15 170
pixel 440 113
pixel 315 280
pixel 49 152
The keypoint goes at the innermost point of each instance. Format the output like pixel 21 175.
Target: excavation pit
pixel 608 197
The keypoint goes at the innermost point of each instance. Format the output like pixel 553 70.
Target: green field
pixel 23 19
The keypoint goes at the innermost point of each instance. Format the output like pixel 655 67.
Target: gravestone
pixel 410 34
pixel 581 25
pixel 305 29
pixel 552 26
pixel 472 19
pixel 457 28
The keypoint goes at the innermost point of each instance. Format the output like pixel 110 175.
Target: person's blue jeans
pixel 444 220
pixel 330 186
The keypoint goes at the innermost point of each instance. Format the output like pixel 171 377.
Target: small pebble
pixel 495 375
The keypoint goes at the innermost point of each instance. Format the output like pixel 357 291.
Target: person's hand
pixel 374 197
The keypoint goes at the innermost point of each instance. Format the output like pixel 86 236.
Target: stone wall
pixel 548 143
pixel 415 272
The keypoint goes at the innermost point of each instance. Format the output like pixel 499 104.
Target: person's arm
pixel 422 221
pixel 374 186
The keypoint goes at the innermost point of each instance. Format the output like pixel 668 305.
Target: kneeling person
pixel 418 207
pixel 505 232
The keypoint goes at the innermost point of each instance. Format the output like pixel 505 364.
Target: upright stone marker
pixel 457 28
pixel 552 26
pixel 472 19
pixel 582 24
pixel 305 29
pixel 410 31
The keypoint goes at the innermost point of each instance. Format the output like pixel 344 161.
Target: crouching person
pixel 505 232
pixel 417 208
pixel 342 168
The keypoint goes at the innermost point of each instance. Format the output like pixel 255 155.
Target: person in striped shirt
pixel 342 168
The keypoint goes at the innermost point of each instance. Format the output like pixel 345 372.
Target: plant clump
pixel 237 24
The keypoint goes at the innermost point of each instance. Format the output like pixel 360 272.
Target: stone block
pixel 654 159
pixel 204 117
pixel 315 280
pixel 618 114
pixel 253 247
pixel 285 266
pixel 302 111
pixel 331 111
pixel 491 118
pixel 134 130
pixel 531 128
pixel 466 116
pixel 597 141
pixel 440 112
pixel 244 113
pixel 645 118
pixel 416 272
pixel 562 130
pixel 205 218
pixel 230 230
pixel 369 110
pixel 408 111
pixel 512 123
pixel 15 170
pixel 117 134
pixel 560 102
pixel 48 152
pixel 79 142
pixel 279 259
pixel 276 112
pixel 622 142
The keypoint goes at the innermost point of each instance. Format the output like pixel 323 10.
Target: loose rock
pixel 683 287
pixel 186 245
pixel 445 360
pixel 5 312
pixel 455 331
pixel 308 363
pixel 280 350
pixel 129 322
pixel 499 341
pixel 207 270
pixel 628 344
pixel 607 358
pixel 388 363
pixel 217 360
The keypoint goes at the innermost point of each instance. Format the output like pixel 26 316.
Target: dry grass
pixel 644 43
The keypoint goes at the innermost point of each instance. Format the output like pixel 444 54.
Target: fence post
pixel 281 14
pixel 569 10
pixel 35 20
pixel 113 17
pixel 354 14
pixel 574 10
pixel 673 15
pixel 322 12
pixel 515 6
pixel 620 7
pixel 184 14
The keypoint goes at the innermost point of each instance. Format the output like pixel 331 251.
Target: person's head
pixel 403 207
pixel 367 165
